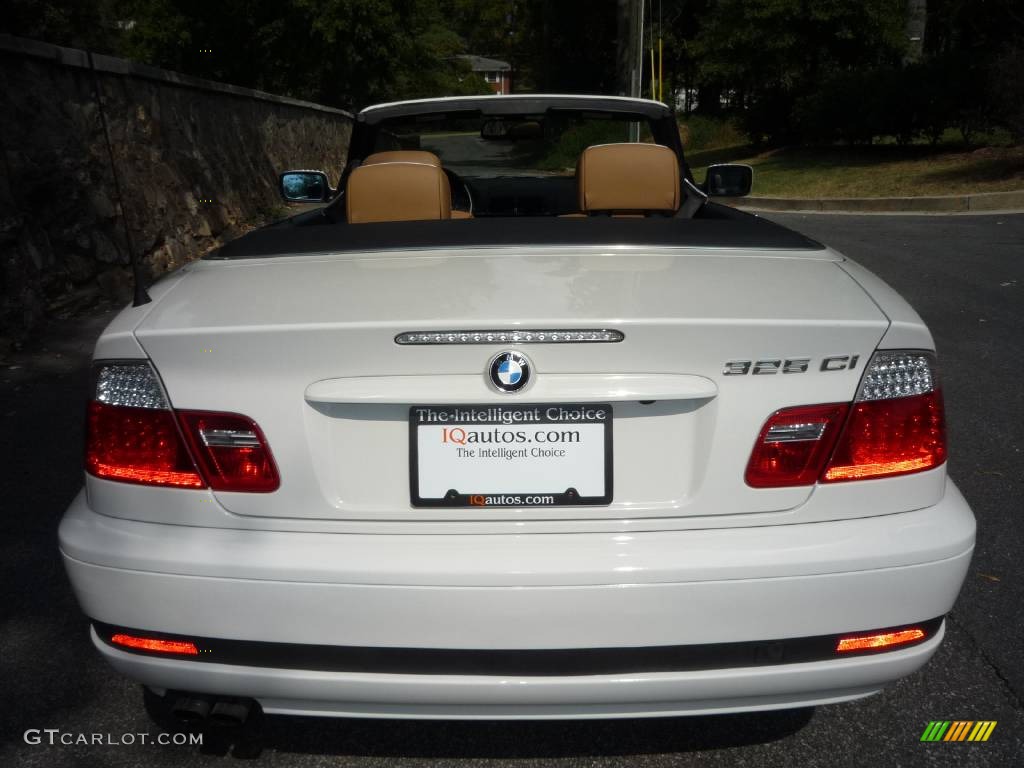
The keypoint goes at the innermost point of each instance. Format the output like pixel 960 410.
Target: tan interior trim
pixel 397 191
pixel 403 156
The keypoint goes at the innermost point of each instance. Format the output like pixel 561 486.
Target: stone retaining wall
pixel 197 163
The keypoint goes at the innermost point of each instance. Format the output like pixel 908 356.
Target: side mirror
pixel 729 180
pixel 305 187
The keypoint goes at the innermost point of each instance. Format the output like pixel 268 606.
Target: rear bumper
pixel 523 592
pixel 480 697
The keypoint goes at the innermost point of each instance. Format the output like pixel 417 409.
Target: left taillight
pixel 133 436
pixel 131 433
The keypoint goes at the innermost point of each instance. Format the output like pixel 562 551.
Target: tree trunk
pixel 917 16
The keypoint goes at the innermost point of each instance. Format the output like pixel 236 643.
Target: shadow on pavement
pixel 43 638
pixel 505 739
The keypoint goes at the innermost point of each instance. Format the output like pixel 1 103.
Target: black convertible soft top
pixel 306 234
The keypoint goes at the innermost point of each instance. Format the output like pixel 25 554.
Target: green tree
pixel 74 23
pixel 342 52
pixel 568 47
pixel 492 29
pixel 766 53
pixel 980 43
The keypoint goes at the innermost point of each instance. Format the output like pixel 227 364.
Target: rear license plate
pixel 510 455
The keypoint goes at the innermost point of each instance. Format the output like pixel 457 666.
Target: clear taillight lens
pixel 897 424
pixel 133 436
pixel 132 385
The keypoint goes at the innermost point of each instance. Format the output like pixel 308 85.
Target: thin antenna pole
pixel 654 72
pixel 640 55
pixel 139 295
pixel 661 65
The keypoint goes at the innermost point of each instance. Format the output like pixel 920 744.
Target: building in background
pixel 497 73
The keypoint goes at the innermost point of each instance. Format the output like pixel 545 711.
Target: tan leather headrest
pixel 628 177
pixel 403 156
pixel 397 192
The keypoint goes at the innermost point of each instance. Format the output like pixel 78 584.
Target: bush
pixel 769 117
pixel 845 108
pixel 699 132
pixel 569 141
pixel 906 102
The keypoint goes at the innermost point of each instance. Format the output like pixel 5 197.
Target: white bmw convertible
pixel 519 424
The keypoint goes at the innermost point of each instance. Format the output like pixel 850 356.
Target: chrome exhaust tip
pixel 191 709
pixel 231 712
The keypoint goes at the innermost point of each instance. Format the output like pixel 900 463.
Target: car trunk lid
pixel 306 347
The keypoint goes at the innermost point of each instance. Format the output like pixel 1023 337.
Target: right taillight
pixel 896 424
pixel 133 436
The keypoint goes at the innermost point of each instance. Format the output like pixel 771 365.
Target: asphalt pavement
pixel 964 274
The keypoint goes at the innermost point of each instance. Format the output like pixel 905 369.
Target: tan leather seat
pixel 403 156
pixel 397 192
pixel 628 179
pixel 412 156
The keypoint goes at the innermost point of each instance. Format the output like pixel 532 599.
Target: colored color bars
pixel 958 730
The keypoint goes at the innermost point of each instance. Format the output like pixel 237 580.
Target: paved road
pixel 966 277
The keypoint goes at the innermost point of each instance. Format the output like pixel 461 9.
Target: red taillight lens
pixel 231 450
pixel 890 437
pixel 794 445
pixel 137 445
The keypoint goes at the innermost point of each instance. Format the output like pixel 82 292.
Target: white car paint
pixel 685 554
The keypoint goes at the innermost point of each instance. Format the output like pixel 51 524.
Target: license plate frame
pixel 593 418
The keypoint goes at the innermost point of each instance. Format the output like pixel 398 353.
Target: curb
pixel 985 201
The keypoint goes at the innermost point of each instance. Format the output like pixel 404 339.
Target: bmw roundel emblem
pixel 509 371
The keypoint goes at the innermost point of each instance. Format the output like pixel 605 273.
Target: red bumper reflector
pixel 878 640
pixel 157 646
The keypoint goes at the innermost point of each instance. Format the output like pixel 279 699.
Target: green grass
pixel 883 169
pixel 872 171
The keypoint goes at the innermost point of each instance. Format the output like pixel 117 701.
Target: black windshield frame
pixel 658 117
